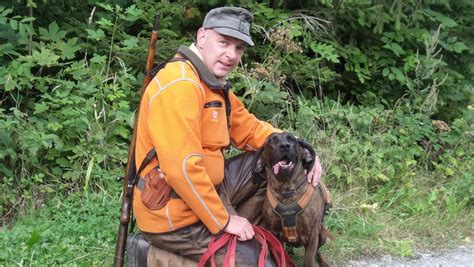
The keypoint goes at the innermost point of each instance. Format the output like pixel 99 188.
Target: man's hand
pixel 314 176
pixel 240 227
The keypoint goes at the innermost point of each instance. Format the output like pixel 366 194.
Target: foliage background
pixel 383 89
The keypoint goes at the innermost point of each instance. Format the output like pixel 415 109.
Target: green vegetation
pixel 66 231
pixel 383 90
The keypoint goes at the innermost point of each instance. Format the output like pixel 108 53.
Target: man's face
pixel 220 53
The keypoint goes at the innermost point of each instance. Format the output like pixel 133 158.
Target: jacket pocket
pixel 214 131
pixel 213 104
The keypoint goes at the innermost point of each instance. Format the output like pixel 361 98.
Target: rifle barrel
pixel 151 55
pixel 127 193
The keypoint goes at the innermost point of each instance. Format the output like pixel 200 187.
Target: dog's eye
pixel 291 138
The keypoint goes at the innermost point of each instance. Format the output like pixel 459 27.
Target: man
pixel 188 115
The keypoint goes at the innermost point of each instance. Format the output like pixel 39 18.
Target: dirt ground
pixel 463 256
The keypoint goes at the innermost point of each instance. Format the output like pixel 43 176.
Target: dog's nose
pixel 284 146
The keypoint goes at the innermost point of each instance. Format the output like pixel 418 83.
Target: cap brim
pixel 235 34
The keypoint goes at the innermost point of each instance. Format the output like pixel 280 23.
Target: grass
pixel 362 232
pixel 81 231
pixel 71 231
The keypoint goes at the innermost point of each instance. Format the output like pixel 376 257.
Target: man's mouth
pixel 283 164
pixel 226 65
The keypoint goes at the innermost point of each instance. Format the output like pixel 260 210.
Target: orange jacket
pixel 185 121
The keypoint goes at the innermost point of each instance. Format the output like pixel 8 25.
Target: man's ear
pixel 201 38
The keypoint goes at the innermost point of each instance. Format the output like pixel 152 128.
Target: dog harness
pixel 289 213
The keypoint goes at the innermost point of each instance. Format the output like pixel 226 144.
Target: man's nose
pixel 231 52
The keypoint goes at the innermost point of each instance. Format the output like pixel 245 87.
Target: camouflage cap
pixel 231 21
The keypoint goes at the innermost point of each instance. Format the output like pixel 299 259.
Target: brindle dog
pixel 286 160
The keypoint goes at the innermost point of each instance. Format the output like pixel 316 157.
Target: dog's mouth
pixel 283 164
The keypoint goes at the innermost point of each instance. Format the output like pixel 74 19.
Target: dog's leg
pixel 323 236
pixel 311 249
pixel 321 261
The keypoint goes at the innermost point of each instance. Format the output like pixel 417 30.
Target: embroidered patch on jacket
pixel 215 115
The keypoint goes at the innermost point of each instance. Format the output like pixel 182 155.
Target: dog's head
pixel 282 153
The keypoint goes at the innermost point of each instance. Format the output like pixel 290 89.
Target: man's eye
pixel 223 42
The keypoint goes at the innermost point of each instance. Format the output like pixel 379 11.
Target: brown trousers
pixel 240 196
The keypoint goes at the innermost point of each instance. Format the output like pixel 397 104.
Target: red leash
pixel 266 239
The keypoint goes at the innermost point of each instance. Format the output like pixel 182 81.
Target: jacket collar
pixel 204 74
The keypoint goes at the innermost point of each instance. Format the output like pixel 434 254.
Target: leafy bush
pixel 60 113
pixel 384 92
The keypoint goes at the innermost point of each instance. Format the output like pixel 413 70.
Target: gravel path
pixel 460 257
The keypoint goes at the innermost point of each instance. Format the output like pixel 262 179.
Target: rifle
pixel 131 171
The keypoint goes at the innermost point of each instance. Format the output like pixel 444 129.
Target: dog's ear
pixel 307 157
pixel 308 154
pixel 258 169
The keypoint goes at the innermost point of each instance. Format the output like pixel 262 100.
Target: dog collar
pixel 289 213
pixel 291 192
